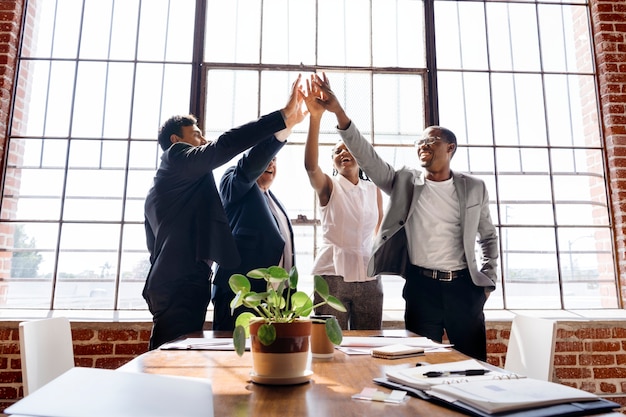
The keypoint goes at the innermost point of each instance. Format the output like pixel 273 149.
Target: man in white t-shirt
pixel 429 233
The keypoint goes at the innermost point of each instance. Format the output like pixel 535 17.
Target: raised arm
pixel 320 181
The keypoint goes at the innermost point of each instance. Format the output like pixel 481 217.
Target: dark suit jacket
pixel 184 219
pixel 256 233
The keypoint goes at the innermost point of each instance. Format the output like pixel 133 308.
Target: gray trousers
pixel 363 302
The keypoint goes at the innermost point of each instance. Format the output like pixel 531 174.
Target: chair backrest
pixel 46 351
pixel 531 347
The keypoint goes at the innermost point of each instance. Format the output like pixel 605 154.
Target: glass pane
pixel 66 28
pixel 578 161
pixel 472 36
pixel 519 117
pixel 80 183
pixel 349 46
pixel 36 194
pixel 133 273
pixel 473 160
pixel 28 261
pixel 85 280
pixel 233 30
pixel 117 106
pixel 530 270
pixel 293 40
pixel 160 92
pixel 166 31
pixel 59 99
pixel 582 214
pixel 587 268
pixel 531 188
pixel 523 160
pixel 92 209
pixel 446 16
pixel 34 77
pixel 513 37
pixel 564 38
pixel 49 153
pixel 402 92
pixel 388 20
pixel 231 100
pixel 96 29
pixel 124 29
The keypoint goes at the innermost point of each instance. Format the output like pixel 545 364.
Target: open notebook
pixel 95 392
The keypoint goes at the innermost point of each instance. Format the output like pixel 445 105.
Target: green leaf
pixel 236 301
pixel 277 272
pixel 259 273
pixel 239 340
pixel 243 320
pixel 333 330
pixel 321 287
pixel 267 334
pixel 238 282
pixel 335 303
pixel 293 278
pixel 301 303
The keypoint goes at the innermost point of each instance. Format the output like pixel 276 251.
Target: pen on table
pixel 465 372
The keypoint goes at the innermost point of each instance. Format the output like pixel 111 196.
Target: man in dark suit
pixel 259 223
pixel 186 227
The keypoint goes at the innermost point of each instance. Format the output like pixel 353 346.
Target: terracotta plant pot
pixel 285 358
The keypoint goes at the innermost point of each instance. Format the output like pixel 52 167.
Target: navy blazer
pixel 254 228
pixel 184 219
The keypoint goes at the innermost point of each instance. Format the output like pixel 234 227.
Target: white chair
pixel 46 351
pixel 531 347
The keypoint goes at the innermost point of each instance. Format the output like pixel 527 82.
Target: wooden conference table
pixel 327 394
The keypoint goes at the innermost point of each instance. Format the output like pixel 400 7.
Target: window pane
pixel 389 19
pixel 513 37
pixel 162 33
pixel 402 92
pixel 460 35
pixel 293 40
pixel 530 270
pixel 232 100
pixel 350 43
pixel 233 30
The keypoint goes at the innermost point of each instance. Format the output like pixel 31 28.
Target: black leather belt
pixel 442 275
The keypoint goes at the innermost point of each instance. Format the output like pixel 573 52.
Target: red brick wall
pixel 96 344
pixel 609 31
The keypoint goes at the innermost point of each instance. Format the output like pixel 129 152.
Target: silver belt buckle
pixel 447 276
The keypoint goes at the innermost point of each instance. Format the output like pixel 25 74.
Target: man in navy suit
pixel 259 223
pixel 186 227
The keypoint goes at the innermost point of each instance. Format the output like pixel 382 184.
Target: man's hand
pixel 328 99
pixel 313 94
pixel 293 112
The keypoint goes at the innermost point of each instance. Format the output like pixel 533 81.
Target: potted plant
pixel 279 322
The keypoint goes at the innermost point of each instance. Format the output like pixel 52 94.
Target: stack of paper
pixel 498 396
pixel 397 351
pixel 415 377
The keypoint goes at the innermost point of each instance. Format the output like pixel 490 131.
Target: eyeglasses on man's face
pixel 427 141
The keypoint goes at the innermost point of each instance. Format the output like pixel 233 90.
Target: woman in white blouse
pixel 351 212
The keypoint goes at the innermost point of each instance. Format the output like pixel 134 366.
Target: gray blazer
pixel 404 186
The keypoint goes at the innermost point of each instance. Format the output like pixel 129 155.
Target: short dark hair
pixel 174 126
pixel 446 134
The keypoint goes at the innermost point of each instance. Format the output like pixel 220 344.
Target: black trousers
pixel 456 306
pixel 183 309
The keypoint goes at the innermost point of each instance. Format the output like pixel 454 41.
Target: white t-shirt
pixel 434 235
pixel 348 223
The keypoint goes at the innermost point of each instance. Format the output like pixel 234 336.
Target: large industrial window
pixel 514 80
